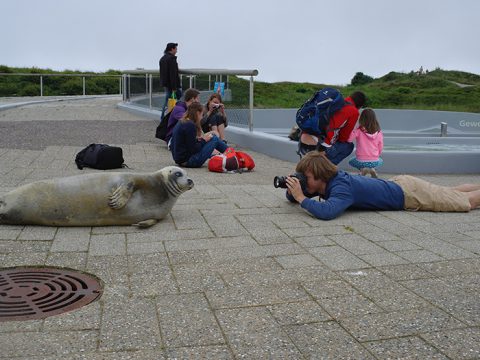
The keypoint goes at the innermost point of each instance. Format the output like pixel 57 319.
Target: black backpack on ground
pixel 161 131
pixel 100 156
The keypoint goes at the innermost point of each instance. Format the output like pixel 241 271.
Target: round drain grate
pixel 37 293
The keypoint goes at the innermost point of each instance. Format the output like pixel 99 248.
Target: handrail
pixel 199 71
pixel 48 74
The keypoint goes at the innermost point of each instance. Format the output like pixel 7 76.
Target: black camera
pixel 281 181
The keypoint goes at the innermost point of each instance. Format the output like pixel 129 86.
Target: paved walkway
pixel 235 271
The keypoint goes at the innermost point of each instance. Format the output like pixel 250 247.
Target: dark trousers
pixel 339 151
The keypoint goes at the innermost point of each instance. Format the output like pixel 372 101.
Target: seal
pixel 96 199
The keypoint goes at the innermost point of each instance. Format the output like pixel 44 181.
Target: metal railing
pixel 143 87
pixel 74 91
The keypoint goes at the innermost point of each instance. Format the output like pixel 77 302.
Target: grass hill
pixel 434 90
pixel 430 90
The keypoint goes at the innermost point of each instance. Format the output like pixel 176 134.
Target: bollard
pixel 443 129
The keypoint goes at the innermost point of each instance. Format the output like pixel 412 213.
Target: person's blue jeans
pixel 203 155
pixel 168 94
pixel 339 151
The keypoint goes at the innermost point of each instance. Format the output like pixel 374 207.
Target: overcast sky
pixel 314 41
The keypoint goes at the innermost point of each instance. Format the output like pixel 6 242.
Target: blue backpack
pixel 314 115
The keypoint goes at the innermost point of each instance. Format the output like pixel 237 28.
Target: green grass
pixel 435 90
pixel 432 91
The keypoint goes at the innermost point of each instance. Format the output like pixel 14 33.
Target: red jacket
pixel 342 123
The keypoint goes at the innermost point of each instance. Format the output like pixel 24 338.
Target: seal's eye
pixel 178 174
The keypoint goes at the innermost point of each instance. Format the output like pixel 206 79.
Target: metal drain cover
pixel 37 293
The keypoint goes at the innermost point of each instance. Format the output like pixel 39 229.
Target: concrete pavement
pixel 235 271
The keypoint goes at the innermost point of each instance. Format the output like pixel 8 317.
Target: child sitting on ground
pixel 369 144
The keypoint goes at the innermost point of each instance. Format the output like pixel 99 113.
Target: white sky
pixel 314 41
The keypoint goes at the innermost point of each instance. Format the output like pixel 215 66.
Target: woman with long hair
pixel 214 117
pixel 190 146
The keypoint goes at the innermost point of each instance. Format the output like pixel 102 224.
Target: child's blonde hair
pixel 368 121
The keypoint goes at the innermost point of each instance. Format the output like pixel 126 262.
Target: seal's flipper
pixel 145 223
pixel 120 196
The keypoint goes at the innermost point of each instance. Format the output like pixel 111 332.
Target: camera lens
pixel 280 182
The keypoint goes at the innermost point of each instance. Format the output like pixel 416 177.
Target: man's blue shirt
pixel 354 191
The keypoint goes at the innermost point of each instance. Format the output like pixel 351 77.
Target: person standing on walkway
pixel 341 190
pixel 169 77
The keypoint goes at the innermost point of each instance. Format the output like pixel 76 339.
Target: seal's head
pixel 176 180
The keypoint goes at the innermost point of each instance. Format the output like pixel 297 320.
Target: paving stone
pixel 380 236
pixel 19 247
pixel 224 226
pixel 337 258
pixel 186 219
pixel 471 245
pixel 193 280
pixel 318 230
pixel 20 326
pixel 255 296
pixel 326 340
pixel 298 313
pixel 314 241
pixel 457 344
pixel 329 289
pixel 171 235
pixel 112 270
pixel 349 306
pixel 188 257
pixel 295 261
pixel 30 233
pixel 23 259
pixel 85 318
pixel 250 252
pixel 117 355
pixel 152 280
pixel 111 244
pixel 71 239
pixel 9 234
pixel 200 352
pixel 405 272
pixel 187 320
pixel 382 326
pixel 382 259
pixel 253 333
pixel 419 256
pixel 58 343
pixel 398 245
pixel 454 267
pixel 356 244
pixel 144 247
pixel 129 324
pixel 203 244
pixel 234 266
pixel 404 348
pixel 70 260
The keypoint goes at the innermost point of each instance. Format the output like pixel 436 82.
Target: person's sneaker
pixel 373 173
pixel 364 171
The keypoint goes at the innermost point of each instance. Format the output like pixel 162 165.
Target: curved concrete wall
pixel 392 121
pixel 395 162
pixel 412 139
pixel 407 133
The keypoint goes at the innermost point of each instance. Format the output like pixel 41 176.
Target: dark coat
pixel 169 77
